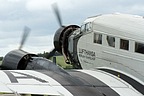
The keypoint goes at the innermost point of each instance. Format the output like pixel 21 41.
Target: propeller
pixel 57 14
pixel 24 36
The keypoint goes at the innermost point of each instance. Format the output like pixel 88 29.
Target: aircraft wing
pixel 72 83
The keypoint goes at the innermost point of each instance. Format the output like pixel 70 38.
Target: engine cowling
pixel 61 40
pixel 16 59
pixel 58 39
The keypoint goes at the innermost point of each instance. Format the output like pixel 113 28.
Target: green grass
pixel 60 61
pixel 0 62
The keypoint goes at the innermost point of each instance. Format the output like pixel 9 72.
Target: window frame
pixel 139 49
pixel 87 27
pixel 97 40
pixel 108 38
pixel 123 44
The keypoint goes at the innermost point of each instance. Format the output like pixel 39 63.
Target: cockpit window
pixel 86 27
pixel 139 47
pixel 98 38
pixel 124 44
pixel 111 41
pixel 83 28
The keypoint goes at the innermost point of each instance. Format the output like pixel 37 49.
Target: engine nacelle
pixel 16 59
pixel 61 41
pixel 61 36
pixel 58 39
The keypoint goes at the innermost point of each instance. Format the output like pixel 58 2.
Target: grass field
pixel 60 61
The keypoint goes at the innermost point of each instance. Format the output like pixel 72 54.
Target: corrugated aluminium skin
pixel 129 26
pixel 120 26
pixel 75 83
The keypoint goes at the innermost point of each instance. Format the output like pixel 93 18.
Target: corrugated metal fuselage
pixel 103 56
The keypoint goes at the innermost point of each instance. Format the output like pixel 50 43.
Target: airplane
pixel 106 51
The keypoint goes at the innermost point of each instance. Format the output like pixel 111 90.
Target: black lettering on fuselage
pixel 86 54
pixel 13 78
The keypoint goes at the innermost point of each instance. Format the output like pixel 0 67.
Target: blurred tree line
pixel 1 58
pixel 45 54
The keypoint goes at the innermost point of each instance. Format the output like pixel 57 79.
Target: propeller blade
pixel 24 36
pixel 51 53
pixel 57 13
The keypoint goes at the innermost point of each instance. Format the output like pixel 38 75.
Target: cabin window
pixel 139 47
pixel 98 38
pixel 111 41
pixel 124 44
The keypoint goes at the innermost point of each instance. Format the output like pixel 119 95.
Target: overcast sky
pixel 38 15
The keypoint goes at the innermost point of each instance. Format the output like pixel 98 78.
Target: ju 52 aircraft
pixel 107 52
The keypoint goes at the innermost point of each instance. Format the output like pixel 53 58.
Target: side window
pixel 98 38
pixel 124 44
pixel 111 41
pixel 139 47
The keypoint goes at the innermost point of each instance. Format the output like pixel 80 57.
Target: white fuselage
pixel 111 42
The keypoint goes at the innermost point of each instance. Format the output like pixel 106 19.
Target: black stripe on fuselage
pixel 138 86
pixel 82 84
